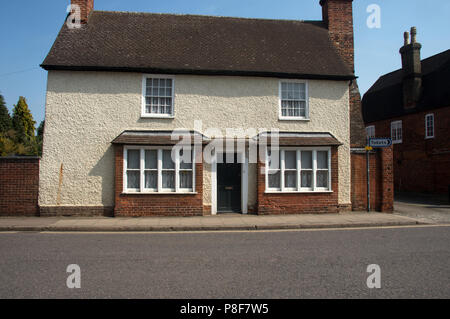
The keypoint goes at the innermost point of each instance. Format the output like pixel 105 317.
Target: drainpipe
pixel 368 178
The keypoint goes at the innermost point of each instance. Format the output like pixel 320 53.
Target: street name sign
pixel 380 142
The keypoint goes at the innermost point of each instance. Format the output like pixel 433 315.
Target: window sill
pixel 297 192
pixel 300 119
pixel 397 142
pixel 429 137
pixel 159 193
pixel 157 116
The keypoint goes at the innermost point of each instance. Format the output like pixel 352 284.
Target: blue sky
pixel 29 27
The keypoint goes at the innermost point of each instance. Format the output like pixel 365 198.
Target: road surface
pixel 414 263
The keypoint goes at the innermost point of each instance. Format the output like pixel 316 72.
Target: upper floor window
pixel 294 100
pixel 158 96
pixel 370 130
pixel 429 126
pixel 397 132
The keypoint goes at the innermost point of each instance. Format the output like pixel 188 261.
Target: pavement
pixel 206 223
pixel 424 208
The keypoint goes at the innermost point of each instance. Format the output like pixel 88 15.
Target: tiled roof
pixel 192 44
pixel 384 99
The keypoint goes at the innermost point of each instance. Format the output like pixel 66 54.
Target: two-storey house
pixel 124 89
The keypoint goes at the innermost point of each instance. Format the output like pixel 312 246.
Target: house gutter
pixel 48 67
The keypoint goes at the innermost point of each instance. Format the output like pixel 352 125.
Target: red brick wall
pixel 420 165
pixel 156 204
pixel 19 186
pixel 298 203
pixel 381 180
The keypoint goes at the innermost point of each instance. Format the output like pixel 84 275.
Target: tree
pixel 5 118
pixel 22 121
pixel 40 137
pixel 40 130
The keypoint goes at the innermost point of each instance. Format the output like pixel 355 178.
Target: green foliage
pixel 22 121
pixel 5 118
pixel 40 130
pixel 10 147
pixel 40 137
pixel 7 145
pixel 19 139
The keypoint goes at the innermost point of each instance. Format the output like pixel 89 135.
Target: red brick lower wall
pixel 19 186
pixel 156 204
pixel 298 203
pixel 381 180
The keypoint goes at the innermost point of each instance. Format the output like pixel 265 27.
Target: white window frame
pixel 370 129
pixel 299 189
pixel 431 115
pixel 160 189
pixel 396 125
pixel 293 118
pixel 144 114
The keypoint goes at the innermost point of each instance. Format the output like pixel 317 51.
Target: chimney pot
pixel 413 35
pixel 406 36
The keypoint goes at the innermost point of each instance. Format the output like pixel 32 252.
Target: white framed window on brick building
pixel 429 126
pixel 370 130
pixel 298 170
pixel 158 96
pixel 397 132
pixel 293 100
pixel 158 170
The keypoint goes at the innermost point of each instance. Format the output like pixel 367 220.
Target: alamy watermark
pixel 74 279
pixel 374 279
pixel 74 19
pixel 221 145
pixel 374 19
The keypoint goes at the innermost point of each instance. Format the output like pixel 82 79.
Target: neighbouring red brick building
pixel 412 105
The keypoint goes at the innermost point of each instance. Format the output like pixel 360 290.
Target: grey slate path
pixel 205 223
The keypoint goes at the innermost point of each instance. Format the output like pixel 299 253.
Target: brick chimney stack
pixel 86 7
pixel 338 17
pixel 412 70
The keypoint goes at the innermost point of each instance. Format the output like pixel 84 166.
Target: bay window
pixel 298 170
pixel 158 170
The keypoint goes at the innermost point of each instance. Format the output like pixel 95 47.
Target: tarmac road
pixel 414 263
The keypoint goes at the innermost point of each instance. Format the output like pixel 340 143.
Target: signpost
pixel 374 143
pixel 380 142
